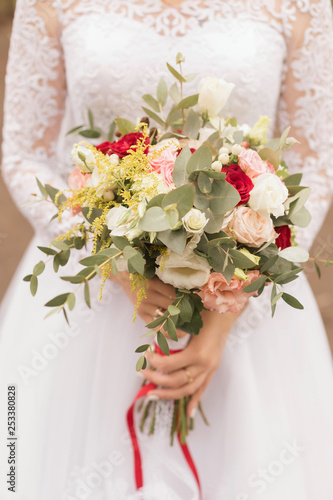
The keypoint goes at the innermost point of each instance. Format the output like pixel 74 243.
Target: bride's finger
pixel 180 392
pixel 194 401
pixel 172 363
pixel 163 288
pixel 172 380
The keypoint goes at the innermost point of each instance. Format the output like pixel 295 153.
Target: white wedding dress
pixel 270 404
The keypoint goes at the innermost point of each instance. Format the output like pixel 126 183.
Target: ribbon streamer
pixel 136 448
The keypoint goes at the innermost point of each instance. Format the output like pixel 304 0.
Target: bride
pixel 266 384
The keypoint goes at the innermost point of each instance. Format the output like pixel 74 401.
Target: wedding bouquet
pixel 204 203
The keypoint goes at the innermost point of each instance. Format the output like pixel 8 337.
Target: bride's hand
pixel 159 295
pixel 189 372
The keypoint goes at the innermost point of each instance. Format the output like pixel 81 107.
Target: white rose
pixel 184 271
pixel 112 218
pixel 268 195
pixel 194 221
pixel 213 94
pixel 87 153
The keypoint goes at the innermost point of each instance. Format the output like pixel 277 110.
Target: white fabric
pixel 270 404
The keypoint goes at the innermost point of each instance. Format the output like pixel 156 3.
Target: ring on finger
pixel 190 379
pixel 159 312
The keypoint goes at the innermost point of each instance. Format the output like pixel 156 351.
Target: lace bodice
pixel 70 55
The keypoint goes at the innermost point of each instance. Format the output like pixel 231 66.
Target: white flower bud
pixel 217 166
pixel 142 208
pixel 108 194
pixel 224 150
pixel 224 158
pixel 236 149
pixel 114 160
pixel 134 233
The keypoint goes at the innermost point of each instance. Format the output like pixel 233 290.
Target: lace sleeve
pixel 307 103
pixel 34 102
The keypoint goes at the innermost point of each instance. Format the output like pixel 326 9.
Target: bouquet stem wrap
pixel 136 448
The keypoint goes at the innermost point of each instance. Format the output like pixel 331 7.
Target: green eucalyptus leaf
pixel 292 301
pixel 163 344
pixel 53 192
pixel 179 174
pixel 214 223
pixel 151 101
pixel 255 285
pixel 270 155
pixel 48 251
pixel 91 133
pixel 302 218
pixel 162 92
pixel 174 240
pixel 294 254
pixel 125 126
pixel 154 116
pixel 223 197
pixel 87 294
pixel 171 329
pixel 175 93
pixel 204 183
pixel 173 310
pixel 112 130
pixel 33 285
pixel 192 125
pixel 58 301
pixel 240 260
pixel 90 214
pixel 39 268
pixel 154 220
pixel 175 73
pixel 200 160
pixel 71 301
pixel 93 260
pixel 120 242
pixel 182 197
pixel 142 348
pixel 188 102
pixel 140 363
pixel 42 189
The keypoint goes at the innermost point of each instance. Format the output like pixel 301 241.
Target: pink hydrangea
pixel 219 295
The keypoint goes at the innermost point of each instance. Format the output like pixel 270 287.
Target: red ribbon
pixel 136 449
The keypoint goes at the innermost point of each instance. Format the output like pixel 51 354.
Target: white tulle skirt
pixel 270 404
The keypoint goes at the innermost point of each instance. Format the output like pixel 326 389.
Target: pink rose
pixel 248 227
pixel 77 180
pixel 251 163
pixel 164 164
pixel 219 295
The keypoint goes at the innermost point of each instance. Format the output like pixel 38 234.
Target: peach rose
pixel 219 295
pixel 164 164
pixel 251 163
pixel 250 228
pixel 77 180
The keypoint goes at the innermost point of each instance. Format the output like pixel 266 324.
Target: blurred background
pixel 15 232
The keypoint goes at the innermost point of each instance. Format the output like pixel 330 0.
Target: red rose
pixel 242 182
pixel 284 239
pixel 124 144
